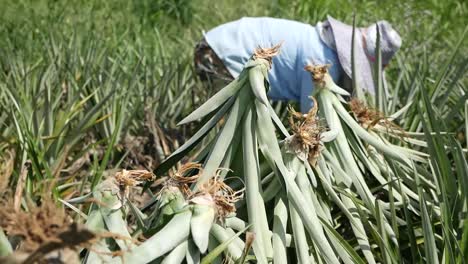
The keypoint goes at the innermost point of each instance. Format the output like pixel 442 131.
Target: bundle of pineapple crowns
pixel 114 201
pixel 214 193
pixel 286 199
pixel 248 132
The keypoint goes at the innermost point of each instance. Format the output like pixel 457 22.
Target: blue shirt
pixel 235 42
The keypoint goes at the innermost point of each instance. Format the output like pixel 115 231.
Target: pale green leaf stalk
pixel 95 223
pixel 5 246
pixel 200 225
pixel 359 92
pixel 363 134
pixel 225 137
pixel 298 166
pixel 385 247
pixel 252 188
pixel 177 255
pixel 212 245
pixel 349 209
pixel 193 254
pixel 237 240
pixel 271 151
pixel 170 236
pixel 343 150
pixel 430 248
pixel 194 140
pixel 216 100
pixel 257 81
pixel 299 234
pixel 111 211
pixel 380 96
pixel 466 122
pixel 226 240
pixel 279 231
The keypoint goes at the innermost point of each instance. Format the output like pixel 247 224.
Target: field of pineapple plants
pixel 113 151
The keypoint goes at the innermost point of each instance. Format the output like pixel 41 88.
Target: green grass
pixel 91 86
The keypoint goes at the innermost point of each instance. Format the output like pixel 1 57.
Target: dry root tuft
pixel 368 117
pixel 43 228
pixel 223 195
pixel 307 132
pixel 318 72
pixel 132 178
pixel 128 179
pixel 181 181
pixel 214 192
pixel 47 234
pixel 38 226
pixel 267 53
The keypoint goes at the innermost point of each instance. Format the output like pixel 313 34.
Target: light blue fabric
pixel 235 42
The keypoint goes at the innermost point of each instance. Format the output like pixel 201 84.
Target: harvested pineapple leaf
pixel 180 228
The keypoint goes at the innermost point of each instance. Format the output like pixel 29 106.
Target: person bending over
pixel 224 50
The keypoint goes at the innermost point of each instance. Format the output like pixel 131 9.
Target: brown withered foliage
pixel 369 117
pixel 47 234
pixel 152 144
pixel 140 152
pixel 307 132
pixel 61 256
pixel 7 163
pixel 267 53
pixel 366 116
pixel 43 229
